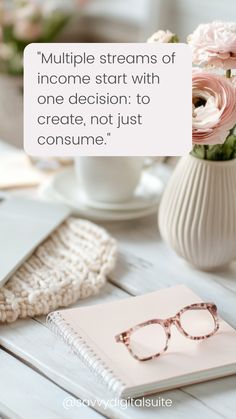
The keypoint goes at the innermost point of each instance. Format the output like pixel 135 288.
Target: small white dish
pixel 64 187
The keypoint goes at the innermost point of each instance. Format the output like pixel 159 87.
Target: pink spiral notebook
pixel 90 332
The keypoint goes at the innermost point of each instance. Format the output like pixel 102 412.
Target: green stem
pixel 205 151
pixel 228 73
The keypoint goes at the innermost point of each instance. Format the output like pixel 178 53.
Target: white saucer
pixel 64 187
pixel 146 195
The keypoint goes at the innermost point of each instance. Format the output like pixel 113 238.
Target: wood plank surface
pixel 28 395
pixel 34 343
pixel 145 264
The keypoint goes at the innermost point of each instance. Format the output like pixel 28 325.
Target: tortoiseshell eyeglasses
pixel 150 339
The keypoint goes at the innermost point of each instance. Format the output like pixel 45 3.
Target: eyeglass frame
pixel 124 337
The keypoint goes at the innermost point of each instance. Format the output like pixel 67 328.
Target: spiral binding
pixel 65 331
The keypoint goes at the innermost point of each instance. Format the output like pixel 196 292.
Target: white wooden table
pixel 38 372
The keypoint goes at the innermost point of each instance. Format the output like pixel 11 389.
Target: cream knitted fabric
pixel 71 264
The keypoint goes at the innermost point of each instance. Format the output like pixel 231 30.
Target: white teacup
pixel 109 179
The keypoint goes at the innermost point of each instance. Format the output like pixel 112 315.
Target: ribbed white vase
pixel 197 214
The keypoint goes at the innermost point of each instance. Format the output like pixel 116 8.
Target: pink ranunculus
pixel 233 80
pixel 163 37
pixel 214 108
pixel 214 44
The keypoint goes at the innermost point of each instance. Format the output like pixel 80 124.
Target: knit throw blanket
pixel 72 263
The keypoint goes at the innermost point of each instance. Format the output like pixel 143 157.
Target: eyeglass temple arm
pixel 119 338
pixel 200 307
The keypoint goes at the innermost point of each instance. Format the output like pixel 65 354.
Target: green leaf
pixel 174 39
pixel 218 152
pixel 53 26
pixel 198 151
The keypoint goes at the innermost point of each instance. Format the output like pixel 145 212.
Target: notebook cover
pixel 185 362
pixel 24 224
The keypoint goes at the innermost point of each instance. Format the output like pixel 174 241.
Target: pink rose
pixel 214 108
pixel 163 37
pixel 214 44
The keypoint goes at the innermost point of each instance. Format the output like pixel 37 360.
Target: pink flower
pixel 163 37
pixel 26 30
pixel 28 25
pixel 214 108
pixel 28 11
pixel 214 44
pixel 233 80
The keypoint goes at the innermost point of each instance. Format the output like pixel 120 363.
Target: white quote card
pixel 107 99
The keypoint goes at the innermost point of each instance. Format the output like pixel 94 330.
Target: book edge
pixel 178 382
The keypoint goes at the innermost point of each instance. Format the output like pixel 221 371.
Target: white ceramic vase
pixel 197 214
